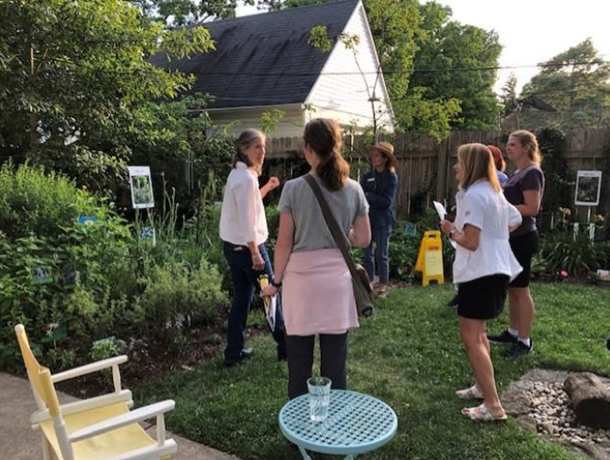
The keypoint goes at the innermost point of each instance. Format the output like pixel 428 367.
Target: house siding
pixel 240 119
pixel 344 97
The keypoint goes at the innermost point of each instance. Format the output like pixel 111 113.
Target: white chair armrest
pixel 89 368
pixel 120 421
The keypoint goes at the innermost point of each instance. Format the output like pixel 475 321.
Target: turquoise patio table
pixel 356 423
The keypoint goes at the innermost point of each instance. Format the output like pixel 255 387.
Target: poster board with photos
pixel 141 187
pixel 588 188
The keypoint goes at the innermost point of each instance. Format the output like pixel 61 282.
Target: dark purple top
pixel 530 178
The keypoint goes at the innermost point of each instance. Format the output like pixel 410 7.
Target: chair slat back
pixel 39 376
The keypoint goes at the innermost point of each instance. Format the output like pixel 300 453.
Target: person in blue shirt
pixel 499 163
pixel 379 185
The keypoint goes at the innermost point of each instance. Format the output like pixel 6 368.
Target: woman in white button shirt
pixel 243 230
pixel 484 265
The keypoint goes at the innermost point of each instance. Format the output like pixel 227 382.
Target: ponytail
pixel 325 138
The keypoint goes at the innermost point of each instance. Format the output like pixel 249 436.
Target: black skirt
pixel 482 298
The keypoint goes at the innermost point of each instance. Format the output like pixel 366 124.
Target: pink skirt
pixel 318 296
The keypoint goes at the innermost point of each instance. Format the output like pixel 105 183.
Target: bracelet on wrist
pixel 276 285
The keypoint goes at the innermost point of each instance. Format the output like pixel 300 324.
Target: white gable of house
pixel 341 91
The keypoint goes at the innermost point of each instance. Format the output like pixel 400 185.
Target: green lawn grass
pixel 408 355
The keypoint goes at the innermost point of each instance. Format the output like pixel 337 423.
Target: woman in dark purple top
pixel 524 190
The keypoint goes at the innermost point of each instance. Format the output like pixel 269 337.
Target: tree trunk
pixel 590 399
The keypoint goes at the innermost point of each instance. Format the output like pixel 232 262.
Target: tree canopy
pixel 456 63
pixel 577 84
pixel 77 91
pixel 179 13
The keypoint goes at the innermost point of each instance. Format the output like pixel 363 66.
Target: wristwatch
pixel 276 285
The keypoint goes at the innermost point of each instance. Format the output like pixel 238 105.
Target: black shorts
pixel 524 247
pixel 482 298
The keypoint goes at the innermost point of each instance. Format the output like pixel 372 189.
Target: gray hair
pixel 244 141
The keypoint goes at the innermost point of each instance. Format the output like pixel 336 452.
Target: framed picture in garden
pixel 141 187
pixel 588 188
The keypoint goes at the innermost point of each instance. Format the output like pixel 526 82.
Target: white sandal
pixel 481 414
pixel 470 393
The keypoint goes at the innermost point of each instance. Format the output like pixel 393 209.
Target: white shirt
pixel 481 206
pixel 242 218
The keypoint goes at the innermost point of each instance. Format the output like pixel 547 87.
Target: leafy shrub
pixel 34 202
pixel 54 270
pixel 272 213
pixel 403 253
pixel 570 250
pixel 104 349
pixel 174 296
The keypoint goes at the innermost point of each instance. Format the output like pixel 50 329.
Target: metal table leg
pixel 304 454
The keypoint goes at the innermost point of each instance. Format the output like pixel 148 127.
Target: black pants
pixel 333 357
pixel 245 285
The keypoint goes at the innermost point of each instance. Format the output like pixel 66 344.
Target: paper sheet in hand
pixel 442 212
pixel 440 209
pixel 270 310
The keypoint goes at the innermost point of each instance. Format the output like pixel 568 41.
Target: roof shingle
pixel 263 59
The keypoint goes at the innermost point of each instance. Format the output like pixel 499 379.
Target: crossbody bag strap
pixel 332 224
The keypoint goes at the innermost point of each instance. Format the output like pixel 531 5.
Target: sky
pixel 531 31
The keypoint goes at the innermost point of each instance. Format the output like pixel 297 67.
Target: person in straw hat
pixel 379 186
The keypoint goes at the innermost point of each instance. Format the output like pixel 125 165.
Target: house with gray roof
pixel 264 62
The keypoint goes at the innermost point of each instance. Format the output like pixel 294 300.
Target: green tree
pixel 180 13
pixel 456 61
pixel 508 98
pixel 577 84
pixel 76 87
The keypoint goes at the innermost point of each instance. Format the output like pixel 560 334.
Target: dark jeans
pixel 376 255
pixel 333 358
pixel 245 284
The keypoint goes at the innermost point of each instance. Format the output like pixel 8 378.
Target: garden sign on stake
pixel 588 189
pixel 141 187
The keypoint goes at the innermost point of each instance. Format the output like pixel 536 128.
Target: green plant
pixel 53 269
pixel 33 201
pixel 403 253
pixel 104 349
pixel 175 297
pixel 61 358
pixel 575 253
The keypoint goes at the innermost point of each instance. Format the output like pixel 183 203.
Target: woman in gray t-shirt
pixel 318 296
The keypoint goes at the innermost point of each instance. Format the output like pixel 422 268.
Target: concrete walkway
pixel 19 442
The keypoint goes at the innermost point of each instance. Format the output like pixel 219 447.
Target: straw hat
pixel 388 150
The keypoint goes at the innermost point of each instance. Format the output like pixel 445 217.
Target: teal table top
pixel 356 423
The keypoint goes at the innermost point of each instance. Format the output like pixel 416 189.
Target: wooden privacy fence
pixel 425 166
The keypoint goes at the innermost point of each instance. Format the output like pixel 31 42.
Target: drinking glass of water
pixel 319 398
